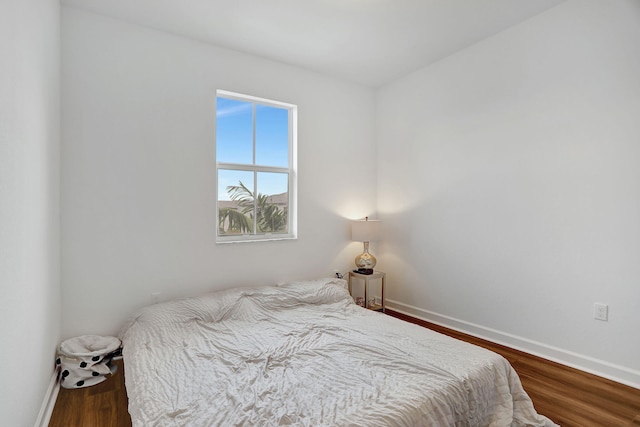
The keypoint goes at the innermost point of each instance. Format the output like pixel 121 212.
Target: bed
pixel 303 354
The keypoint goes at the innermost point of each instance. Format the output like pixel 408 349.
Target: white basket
pixel 84 361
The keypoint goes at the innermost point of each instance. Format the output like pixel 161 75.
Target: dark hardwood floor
pixel 101 405
pixel 567 396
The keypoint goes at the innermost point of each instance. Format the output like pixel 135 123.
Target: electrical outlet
pixel 155 297
pixel 601 312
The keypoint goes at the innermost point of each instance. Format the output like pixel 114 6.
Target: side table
pixel 372 286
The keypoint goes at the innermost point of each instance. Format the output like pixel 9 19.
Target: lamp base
pixel 366 260
pixel 365 271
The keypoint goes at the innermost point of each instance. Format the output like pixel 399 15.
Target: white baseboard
pixel 49 402
pixel 617 373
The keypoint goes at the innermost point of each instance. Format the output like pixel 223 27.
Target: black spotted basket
pixel 84 361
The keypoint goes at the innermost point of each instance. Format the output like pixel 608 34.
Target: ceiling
pixel 371 42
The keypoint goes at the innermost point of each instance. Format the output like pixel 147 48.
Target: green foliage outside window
pixel 269 217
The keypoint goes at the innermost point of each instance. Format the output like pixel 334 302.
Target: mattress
pixel 303 354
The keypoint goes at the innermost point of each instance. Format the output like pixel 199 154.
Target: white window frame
pixel 291 170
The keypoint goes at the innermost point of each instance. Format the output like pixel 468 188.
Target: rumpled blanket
pixel 304 354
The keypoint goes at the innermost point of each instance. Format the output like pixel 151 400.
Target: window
pixel 255 165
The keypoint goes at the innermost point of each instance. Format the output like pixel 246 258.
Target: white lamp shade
pixel 365 231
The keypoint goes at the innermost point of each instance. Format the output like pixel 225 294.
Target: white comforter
pixel 304 354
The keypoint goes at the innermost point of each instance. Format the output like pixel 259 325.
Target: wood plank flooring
pixel 101 405
pixel 569 397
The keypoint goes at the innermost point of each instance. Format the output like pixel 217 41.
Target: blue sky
pixel 234 142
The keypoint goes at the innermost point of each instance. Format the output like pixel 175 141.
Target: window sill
pixel 253 239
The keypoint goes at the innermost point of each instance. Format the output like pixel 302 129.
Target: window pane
pixel 273 203
pixel 234 131
pixel 272 136
pixel 235 202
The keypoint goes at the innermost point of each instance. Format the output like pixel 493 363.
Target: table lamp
pixel 365 231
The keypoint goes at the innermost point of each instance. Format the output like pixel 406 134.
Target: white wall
pixel 138 179
pixel 29 204
pixel 509 183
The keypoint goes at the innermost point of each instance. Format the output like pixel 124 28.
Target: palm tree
pixel 269 217
pixel 234 221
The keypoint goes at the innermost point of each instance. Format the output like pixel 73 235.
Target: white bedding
pixel 304 354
